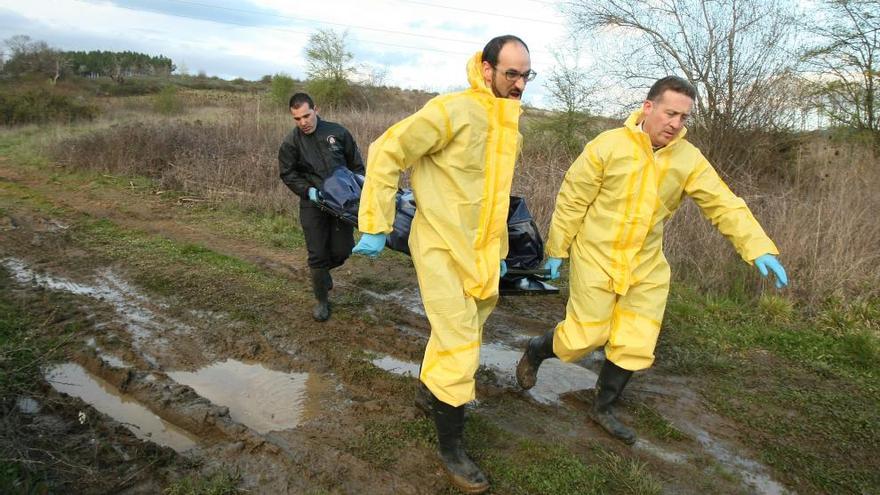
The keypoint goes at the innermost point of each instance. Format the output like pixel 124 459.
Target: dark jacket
pixel 305 160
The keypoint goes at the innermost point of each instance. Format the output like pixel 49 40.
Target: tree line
pixel 25 57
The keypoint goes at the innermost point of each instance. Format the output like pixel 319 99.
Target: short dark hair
pixel 672 83
pixel 494 46
pixel 299 98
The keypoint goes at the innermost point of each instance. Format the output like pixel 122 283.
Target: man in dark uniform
pixel 307 156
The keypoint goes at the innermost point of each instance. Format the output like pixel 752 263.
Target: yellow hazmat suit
pixel 609 219
pixel 462 148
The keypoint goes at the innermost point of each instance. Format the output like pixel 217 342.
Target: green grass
pixel 15 479
pixel 33 331
pixel 648 420
pixel 16 354
pixel 218 482
pixel 384 442
pixel 278 230
pixel 513 464
pixel 805 389
pixel 204 277
pixel 523 466
pixel 22 146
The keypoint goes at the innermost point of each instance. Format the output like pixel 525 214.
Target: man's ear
pixel 487 72
pixel 647 107
pixel 316 109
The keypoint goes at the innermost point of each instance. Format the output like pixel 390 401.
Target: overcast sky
pixel 421 44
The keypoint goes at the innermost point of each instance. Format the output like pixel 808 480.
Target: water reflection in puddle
pixel 263 399
pixel 555 378
pixel 73 379
pixel 113 360
pixel 396 366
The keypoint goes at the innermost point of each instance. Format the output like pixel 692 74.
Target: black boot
pixel 321 285
pixel 537 350
pixel 462 472
pixel 611 381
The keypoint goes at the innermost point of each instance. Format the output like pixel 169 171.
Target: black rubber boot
pixel 321 285
pixel 612 380
pixel 462 472
pixel 537 350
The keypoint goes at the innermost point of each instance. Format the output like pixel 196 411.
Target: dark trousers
pixel 328 239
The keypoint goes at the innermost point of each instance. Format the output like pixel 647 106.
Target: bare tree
pixel 571 90
pixel 27 56
pixel 569 84
pixel 735 52
pixel 845 64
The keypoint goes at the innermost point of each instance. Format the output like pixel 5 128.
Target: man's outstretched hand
pixel 768 263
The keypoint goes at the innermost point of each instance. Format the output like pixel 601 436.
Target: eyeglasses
pixel 512 75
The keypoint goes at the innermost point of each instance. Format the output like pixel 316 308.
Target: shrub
pixel 330 92
pixel 281 89
pixel 42 105
pixel 167 102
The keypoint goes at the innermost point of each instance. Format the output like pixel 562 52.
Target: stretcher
pixel 340 197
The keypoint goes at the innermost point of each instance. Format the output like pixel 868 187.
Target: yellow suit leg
pixel 636 323
pixel 453 351
pixel 588 313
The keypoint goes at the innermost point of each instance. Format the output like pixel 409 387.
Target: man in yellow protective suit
pixel 462 148
pixel 608 221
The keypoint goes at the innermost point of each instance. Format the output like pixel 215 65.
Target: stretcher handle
pixel 538 271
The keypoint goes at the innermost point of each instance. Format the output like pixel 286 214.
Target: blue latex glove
pixel 503 268
pixel 314 194
pixel 553 265
pixel 768 263
pixel 370 245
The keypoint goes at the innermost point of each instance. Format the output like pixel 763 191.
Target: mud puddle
pixel 396 366
pixel 264 400
pixel 555 378
pixel 131 307
pixel 73 379
pixel 753 474
pixel 409 299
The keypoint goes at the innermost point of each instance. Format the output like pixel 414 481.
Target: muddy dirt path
pixel 300 407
